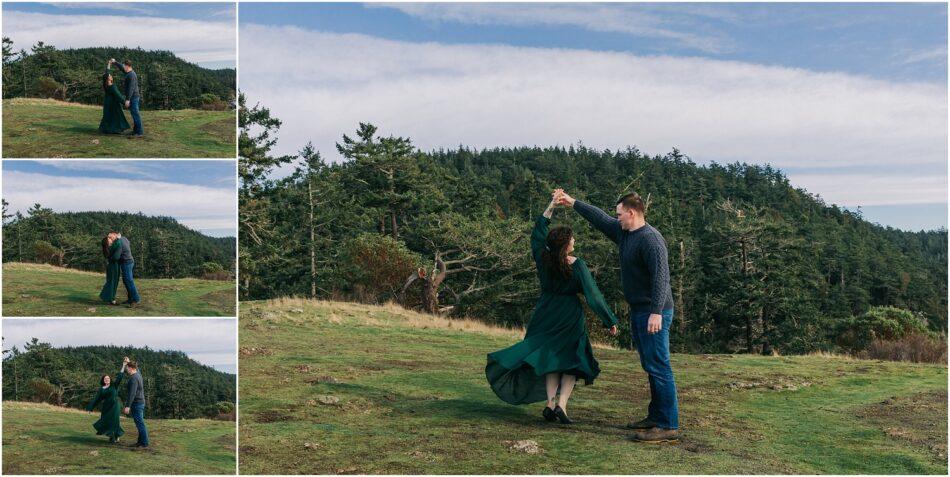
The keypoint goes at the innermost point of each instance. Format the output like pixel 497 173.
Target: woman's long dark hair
pixel 105 81
pixel 554 255
pixel 102 380
pixel 105 246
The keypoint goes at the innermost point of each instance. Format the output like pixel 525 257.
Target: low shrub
pixel 914 347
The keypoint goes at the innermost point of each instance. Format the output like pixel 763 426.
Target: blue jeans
pixel 138 415
pixel 129 283
pixel 136 119
pixel 654 353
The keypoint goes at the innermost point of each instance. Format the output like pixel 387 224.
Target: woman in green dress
pixel 556 350
pixel 111 408
pixel 113 118
pixel 111 250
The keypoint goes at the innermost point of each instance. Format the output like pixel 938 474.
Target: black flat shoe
pixel 562 416
pixel 548 414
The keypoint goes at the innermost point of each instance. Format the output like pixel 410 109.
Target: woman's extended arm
pixel 539 235
pixel 118 377
pixel 595 299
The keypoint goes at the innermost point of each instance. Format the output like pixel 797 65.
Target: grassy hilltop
pixel 47 128
pixel 44 290
pixel 44 439
pixel 330 388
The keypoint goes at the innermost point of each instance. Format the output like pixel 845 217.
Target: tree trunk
pixel 680 290
pixel 763 321
pixel 313 251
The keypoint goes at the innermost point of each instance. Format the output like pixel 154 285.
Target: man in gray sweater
pixel 132 96
pixel 645 275
pixel 126 266
pixel 135 402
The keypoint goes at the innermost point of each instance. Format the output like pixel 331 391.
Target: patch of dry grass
pixel 396 315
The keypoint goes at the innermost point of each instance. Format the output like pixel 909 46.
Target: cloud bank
pixel 495 95
pixel 196 41
pixel 206 209
pixel 638 20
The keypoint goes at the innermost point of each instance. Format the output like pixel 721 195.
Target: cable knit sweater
pixel 644 262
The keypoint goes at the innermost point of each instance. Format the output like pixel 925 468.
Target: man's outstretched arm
pixel 610 226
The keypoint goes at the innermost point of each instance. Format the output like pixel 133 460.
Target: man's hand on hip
pixel 654 324
pixel 125 411
pixel 127 103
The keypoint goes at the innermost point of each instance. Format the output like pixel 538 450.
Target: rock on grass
pixel 527 446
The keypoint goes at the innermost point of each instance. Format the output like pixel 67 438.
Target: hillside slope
pixel 44 439
pixel 46 128
pixel 43 290
pixel 329 387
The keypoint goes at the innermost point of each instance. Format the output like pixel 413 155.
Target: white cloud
pixel 863 189
pixel 193 40
pixel 208 341
pixel 636 20
pixel 118 6
pixel 197 207
pixel 493 95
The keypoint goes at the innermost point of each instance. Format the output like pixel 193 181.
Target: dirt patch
pixel 920 419
pixel 322 380
pixel 249 351
pixel 774 383
pixel 695 447
pixel 274 415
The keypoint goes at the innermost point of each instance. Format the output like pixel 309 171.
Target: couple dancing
pixel 108 394
pixel 556 350
pixel 119 262
pixel 113 118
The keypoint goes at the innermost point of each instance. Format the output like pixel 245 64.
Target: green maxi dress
pixel 108 422
pixel 112 273
pixel 113 118
pixel 556 340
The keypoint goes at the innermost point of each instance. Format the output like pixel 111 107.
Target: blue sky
pixel 209 341
pixel 905 42
pixel 850 100
pixel 203 33
pixel 199 194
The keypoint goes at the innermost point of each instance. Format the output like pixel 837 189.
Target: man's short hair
pixel 132 365
pixel 633 201
pixel 127 63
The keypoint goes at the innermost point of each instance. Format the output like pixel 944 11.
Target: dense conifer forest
pixel 75 75
pixel 176 386
pixel 161 247
pixel 757 264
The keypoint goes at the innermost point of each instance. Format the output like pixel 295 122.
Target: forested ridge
pixel 75 75
pixel 176 386
pixel 161 247
pixel 757 264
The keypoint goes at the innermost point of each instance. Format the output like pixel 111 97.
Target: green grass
pixel 413 399
pixel 46 128
pixel 44 439
pixel 43 290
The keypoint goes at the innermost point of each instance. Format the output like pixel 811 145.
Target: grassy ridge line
pixel 44 290
pixel 45 439
pixel 46 128
pixel 367 389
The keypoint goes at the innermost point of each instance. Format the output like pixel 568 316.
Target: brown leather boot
pixel 644 423
pixel 656 435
